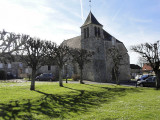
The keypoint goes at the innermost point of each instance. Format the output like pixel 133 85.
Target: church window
pixel 87 32
pixel 95 30
pixel 99 32
pixel 84 33
pixel 49 67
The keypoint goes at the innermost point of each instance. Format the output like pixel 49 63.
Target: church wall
pixel 96 70
pixel 123 69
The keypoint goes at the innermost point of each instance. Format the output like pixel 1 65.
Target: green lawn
pixel 78 102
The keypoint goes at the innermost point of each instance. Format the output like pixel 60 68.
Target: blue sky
pixel 131 21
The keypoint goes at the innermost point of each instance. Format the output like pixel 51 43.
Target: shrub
pixel 2 75
pixel 75 77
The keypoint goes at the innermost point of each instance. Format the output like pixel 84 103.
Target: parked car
pixel 143 77
pixel 148 82
pixel 45 77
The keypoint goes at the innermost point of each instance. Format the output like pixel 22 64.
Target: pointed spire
pixel 91 20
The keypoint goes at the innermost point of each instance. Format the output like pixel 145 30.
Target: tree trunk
pixel 33 79
pixel 115 75
pixel 158 79
pixel 81 79
pixel 60 77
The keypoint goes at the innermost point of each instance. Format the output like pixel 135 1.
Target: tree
pixel 9 43
pixel 117 58
pixel 82 57
pixel 59 55
pixel 141 61
pixel 34 55
pixel 151 53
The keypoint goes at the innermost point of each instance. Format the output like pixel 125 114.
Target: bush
pixel 75 77
pixel 2 75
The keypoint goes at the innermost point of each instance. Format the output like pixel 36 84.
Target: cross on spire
pixel 90 4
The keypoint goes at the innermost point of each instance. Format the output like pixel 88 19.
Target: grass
pixel 77 102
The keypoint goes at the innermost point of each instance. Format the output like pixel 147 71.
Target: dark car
pixel 45 77
pixel 149 82
pixel 143 77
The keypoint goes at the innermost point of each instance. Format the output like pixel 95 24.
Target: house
pixel 135 70
pixel 147 69
pixel 94 38
pixel 20 70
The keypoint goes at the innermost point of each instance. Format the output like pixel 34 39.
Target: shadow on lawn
pixel 62 106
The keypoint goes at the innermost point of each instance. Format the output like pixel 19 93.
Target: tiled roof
pixel 147 67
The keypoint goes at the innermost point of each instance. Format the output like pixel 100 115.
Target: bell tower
pixel 91 28
pixel 92 39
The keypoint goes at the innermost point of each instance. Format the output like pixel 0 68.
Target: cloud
pixel 38 19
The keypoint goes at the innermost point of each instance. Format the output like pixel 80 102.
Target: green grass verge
pixel 70 79
pixel 77 102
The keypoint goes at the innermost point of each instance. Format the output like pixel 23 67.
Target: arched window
pixel 95 31
pixel 99 34
pixel 84 32
pixel 87 32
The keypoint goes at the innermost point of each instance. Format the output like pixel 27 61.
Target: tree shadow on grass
pixel 60 106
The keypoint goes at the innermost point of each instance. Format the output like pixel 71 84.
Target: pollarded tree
pixel 9 43
pixel 81 57
pixel 117 60
pixel 59 55
pixel 151 53
pixel 34 55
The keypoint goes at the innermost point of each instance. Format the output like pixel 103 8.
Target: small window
pixel 95 31
pixel 1 65
pixel 84 33
pixel 49 67
pixel 99 33
pixel 9 65
pixel 87 32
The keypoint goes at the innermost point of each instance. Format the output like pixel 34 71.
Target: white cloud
pixel 36 18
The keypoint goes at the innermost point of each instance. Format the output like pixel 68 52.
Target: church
pixel 94 38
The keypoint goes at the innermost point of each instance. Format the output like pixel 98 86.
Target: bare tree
pixel 117 58
pixel 82 57
pixel 34 55
pixel 9 43
pixel 59 55
pixel 151 53
pixel 141 61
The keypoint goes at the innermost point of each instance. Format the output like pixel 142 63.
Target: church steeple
pixel 91 28
pixel 91 20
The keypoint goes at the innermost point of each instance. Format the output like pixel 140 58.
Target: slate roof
pixel 133 66
pixel 108 37
pixel 91 20
pixel 76 41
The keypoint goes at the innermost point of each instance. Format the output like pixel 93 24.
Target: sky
pixel 130 21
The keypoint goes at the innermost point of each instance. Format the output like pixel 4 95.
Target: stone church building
pixel 94 38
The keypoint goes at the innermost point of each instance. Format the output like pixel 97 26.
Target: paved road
pixel 131 83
